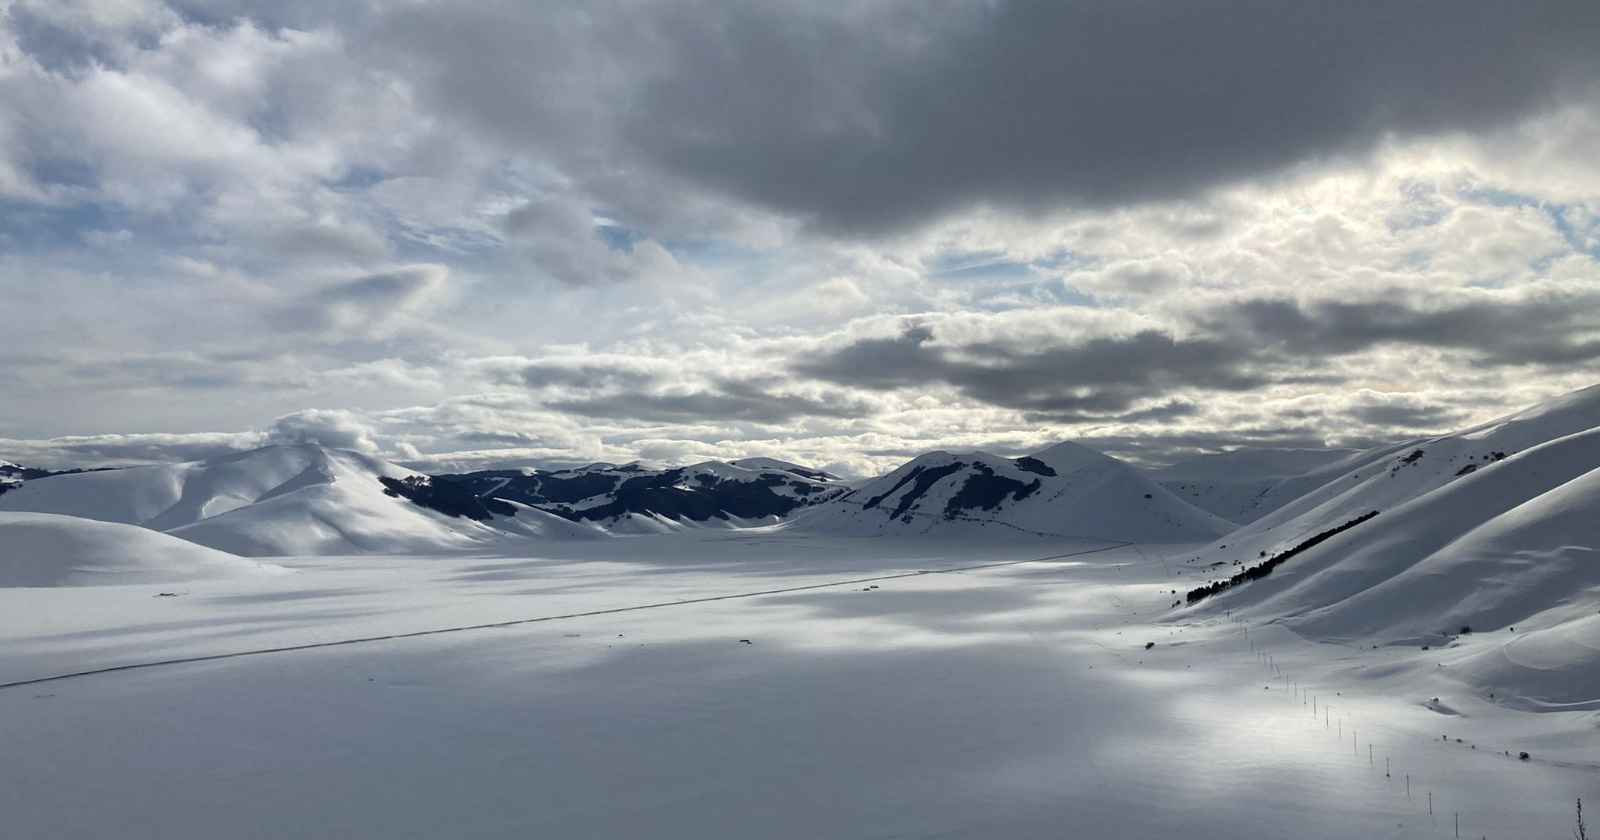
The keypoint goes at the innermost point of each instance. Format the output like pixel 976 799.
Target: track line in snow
pixel 439 631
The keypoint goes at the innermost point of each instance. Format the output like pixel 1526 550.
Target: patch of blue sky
pixel 976 264
pixel 27 227
pixel 1001 296
pixel 715 252
pixel 1062 259
pixel 1584 241
pixel 412 242
pixel 1422 207
pixel 358 178
pixel 618 237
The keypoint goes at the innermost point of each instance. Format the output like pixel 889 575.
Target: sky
pixel 493 233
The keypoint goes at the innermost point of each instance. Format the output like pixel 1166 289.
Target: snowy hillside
pixel 1500 530
pixel 279 500
pixel 1415 570
pixel 1246 484
pixel 1066 490
pixel 634 498
pixel 1385 478
pixel 13 475
pixel 41 549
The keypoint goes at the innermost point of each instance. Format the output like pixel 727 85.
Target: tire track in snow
pixel 439 631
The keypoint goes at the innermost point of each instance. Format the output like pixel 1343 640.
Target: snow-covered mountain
pixel 282 500
pixel 631 497
pixel 1494 527
pixel 42 549
pixel 13 475
pixel 1387 477
pixel 307 500
pixel 1065 490
pixel 1246 484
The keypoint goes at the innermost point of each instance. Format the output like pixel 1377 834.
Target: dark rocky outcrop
pixel 983 490
pixel 446 497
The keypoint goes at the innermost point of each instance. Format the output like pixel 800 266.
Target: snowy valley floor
pixel 1015 701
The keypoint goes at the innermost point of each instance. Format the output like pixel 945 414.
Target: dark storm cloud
pixel 1161 413
pixel 881 115
pixel 1240 347
pixel 1094 378
pixel 585 375
pixel 1538 332
pixel 1160 449
pixel 726 400
pixel 1035 104
pixel 1406 416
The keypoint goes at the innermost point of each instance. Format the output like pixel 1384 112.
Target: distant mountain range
pixel 633 497
pixel 1419 542
pixel 297 500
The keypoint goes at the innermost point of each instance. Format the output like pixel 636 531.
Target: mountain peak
pixel 1067 456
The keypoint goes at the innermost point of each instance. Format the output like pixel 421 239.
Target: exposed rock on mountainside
pixel 1066 490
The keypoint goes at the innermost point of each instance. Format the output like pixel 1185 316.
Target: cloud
pixel 1083 379
pixel 73 451
pixel 368 305
pixel 851 117
pixel 839 233
pixel 592 373
pixel 332 428
pixel 1555 329
pixel 725 401
pixel 1385 415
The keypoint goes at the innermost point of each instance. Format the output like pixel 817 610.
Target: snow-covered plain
pixel 1007 701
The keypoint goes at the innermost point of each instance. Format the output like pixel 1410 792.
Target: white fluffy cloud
pixel 335 428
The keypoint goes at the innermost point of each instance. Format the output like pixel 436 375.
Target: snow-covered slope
pixel 1385 478
pixel 1502 530
pixel 1066 490
pixel 171 495
pixel 13 475
pixel 42 549
pixel 1244 485
pixel 776 465
pixel 1457 556
pixel 281 500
